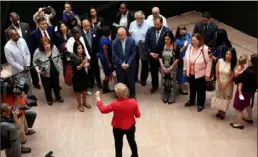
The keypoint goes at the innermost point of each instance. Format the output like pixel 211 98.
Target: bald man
pixel 18 56
pixel 91 39
pixel 155 14
pixel 123 53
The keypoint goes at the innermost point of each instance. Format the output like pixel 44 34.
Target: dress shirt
pixel 17 54
pixel 123 20
pixel 138 32
pixel 125 111
pixel 151 20
pixel 70 43
pixel 123 46
pixel 43 34
pixel 19 31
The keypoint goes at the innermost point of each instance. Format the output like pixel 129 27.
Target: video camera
pixel 46 9
pixel 13 85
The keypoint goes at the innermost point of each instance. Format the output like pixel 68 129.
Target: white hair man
pixel 155 14
pixel 138 30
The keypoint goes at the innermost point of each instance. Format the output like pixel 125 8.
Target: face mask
pixel 16 23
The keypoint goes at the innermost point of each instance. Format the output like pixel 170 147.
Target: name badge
pixel 26 31
pixel 94 35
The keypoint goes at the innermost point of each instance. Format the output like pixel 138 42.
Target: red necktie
pixel 45 34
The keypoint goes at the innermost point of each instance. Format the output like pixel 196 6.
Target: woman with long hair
pixel 80 77
pixel 225 74
pixel 168 60
pixel 197 67
pixel 49 71
pixel 249 80
pixel 183 39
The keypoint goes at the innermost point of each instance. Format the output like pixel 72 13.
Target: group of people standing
pixel 205 55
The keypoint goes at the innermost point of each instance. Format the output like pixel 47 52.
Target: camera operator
pixel 27 118
pixel 18 56
pixel 43 12
pixel 9 131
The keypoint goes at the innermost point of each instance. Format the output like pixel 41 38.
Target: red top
pixel 10 99
pixel 124 112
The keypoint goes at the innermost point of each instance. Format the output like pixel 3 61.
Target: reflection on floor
pixel 162 131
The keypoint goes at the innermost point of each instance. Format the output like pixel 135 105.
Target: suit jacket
pixel 203 63
pixel 36 36
pixel 209 34
pixel 150 40
pixel 94 48
pixel 119 58
pixel 25 28
pixel 130 18
pixel 59 39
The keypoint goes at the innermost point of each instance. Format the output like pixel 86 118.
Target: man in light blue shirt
pixel 138 30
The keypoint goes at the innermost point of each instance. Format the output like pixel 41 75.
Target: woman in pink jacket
pixel 197 67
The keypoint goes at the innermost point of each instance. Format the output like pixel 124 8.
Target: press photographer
pixel 9 131
pixel 47 12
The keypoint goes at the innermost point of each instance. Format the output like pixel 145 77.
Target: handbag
pixel 68 75
pixel 220 103
pixel 210 84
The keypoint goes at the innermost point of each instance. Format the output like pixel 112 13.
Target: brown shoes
pixel 153 90
pixel 87 105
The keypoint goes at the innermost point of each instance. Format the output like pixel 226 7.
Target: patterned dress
pixel 169 80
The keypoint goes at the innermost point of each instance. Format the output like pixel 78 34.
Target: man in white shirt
pixel 155 14
pixel 18 56
pixel 41 13
pixel 138 30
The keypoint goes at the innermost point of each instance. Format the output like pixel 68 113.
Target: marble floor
pixel 162 131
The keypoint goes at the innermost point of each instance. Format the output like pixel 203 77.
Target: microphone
pixel 74 58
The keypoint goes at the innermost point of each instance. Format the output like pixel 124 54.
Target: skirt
pixel 240 105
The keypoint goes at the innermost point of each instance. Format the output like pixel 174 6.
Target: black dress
pixel 80 79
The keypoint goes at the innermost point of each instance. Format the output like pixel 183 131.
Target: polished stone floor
pixel 162 131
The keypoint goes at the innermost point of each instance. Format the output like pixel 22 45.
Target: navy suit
pixel 94 71
pixel 152 47
pixel 34 41
pixel 125 76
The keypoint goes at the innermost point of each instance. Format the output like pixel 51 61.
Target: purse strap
pixel 203 56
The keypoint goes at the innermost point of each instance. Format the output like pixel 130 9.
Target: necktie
pixel 157 36
pixel 88 38
pixel 123 46
pixel 45 34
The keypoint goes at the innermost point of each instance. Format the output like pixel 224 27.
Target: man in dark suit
pixel 207 28
pixel 22 28
pixel 154 44
pixel 123 18
pixel 91 40
pixel 42 31
pixel 124 52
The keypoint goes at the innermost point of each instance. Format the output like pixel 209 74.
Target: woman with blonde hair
pixel 125 111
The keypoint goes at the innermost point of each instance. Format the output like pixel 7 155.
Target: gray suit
pixel 125 76
pixel 26 33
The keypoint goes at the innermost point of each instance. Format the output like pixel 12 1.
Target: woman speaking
pixel 123 122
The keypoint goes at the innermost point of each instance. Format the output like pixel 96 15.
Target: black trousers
pixel 197 86
pixel 49 83
pixel 129 81
pixel 144 70
pixel 154 67
pixel 94 72
pixel 137 65
pixel 118 136
pixel 34 76
pixel 30 117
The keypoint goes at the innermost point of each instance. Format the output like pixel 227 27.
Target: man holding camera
pixel 9 131
pixel 43 12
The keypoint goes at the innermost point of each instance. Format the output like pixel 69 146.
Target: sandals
pixel 80 108
pixel 87 105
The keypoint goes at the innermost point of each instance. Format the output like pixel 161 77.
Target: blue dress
pixel 105 41
pixel 179 44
